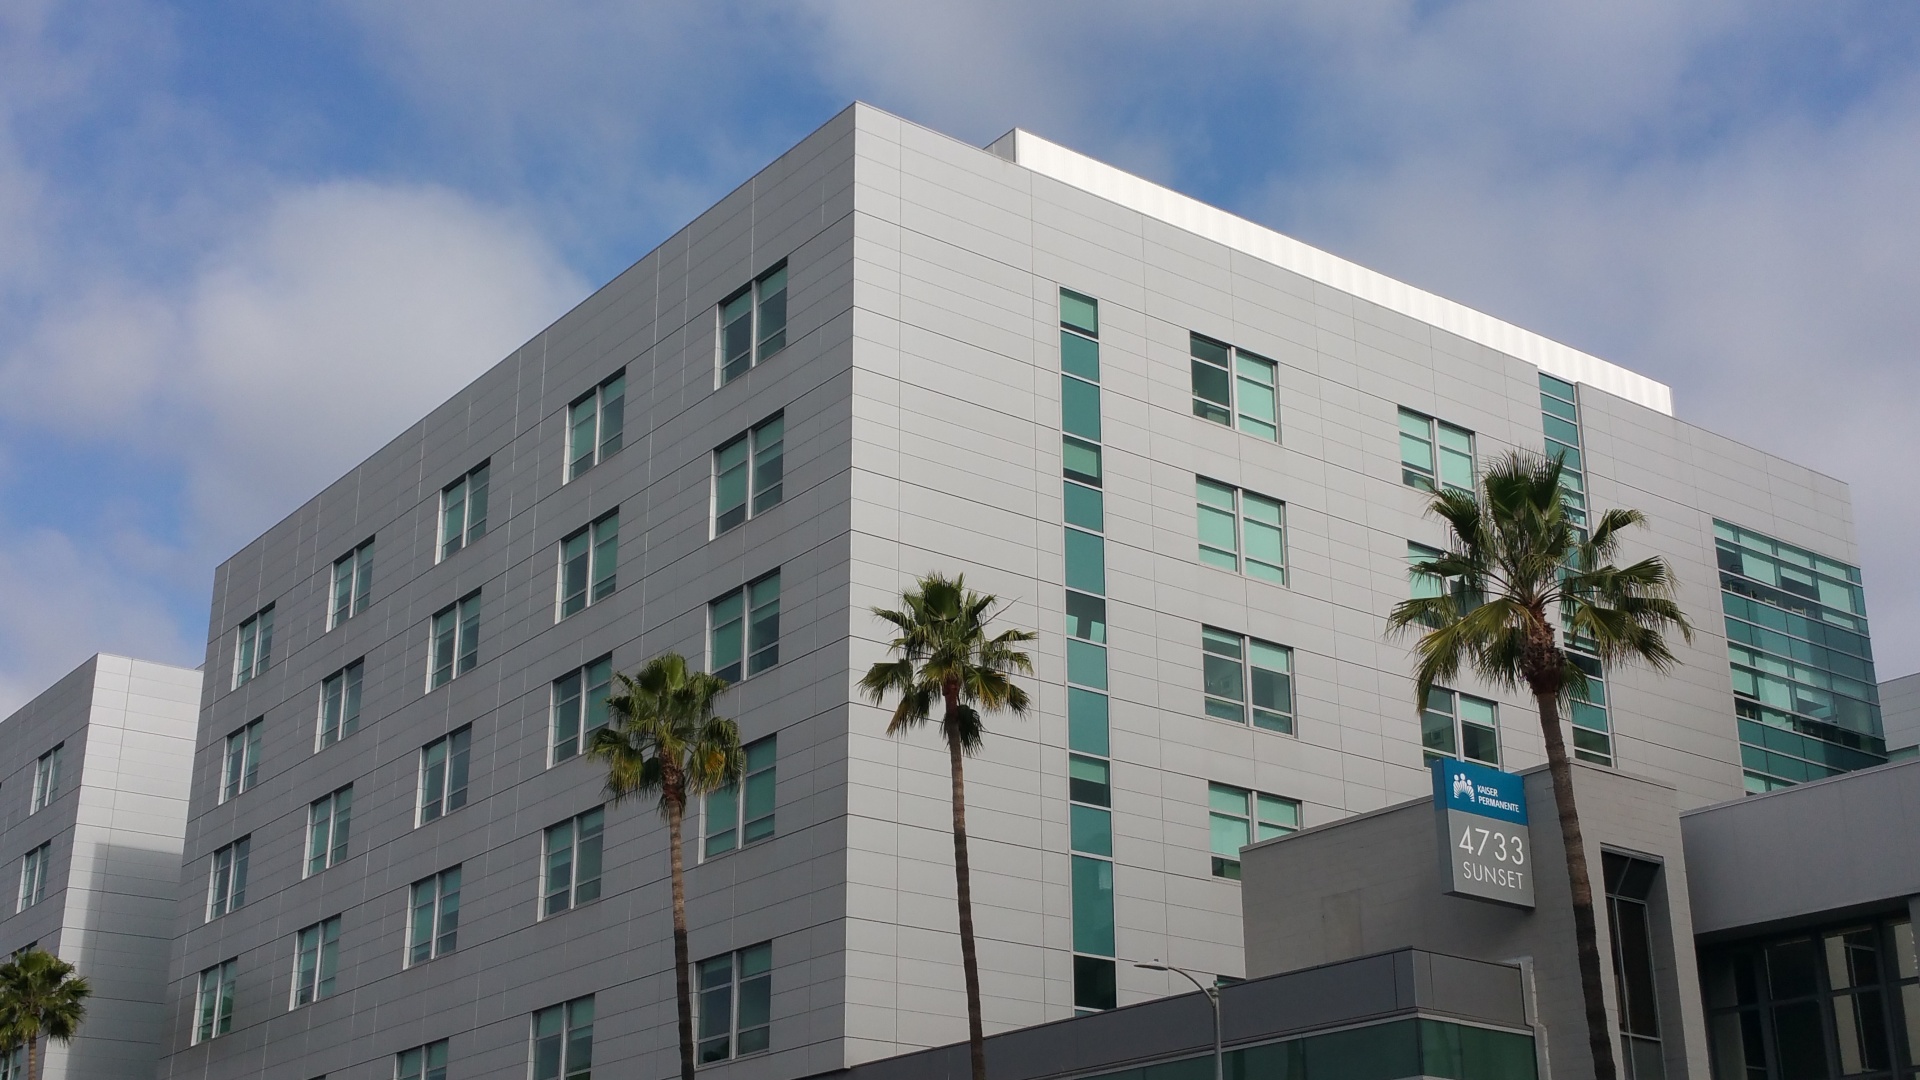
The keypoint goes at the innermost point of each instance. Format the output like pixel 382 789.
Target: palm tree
pixel 1516 568
pixel 944 654
pixel 40 998
pixel 662 737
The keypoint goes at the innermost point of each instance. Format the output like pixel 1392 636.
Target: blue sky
pixel 242 245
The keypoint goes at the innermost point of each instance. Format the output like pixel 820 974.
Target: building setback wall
pixel 125 729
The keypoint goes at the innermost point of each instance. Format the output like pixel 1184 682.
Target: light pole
pixel 1213 998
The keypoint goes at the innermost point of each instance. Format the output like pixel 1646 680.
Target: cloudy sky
pixel 242 245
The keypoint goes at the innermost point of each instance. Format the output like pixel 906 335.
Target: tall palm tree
pixel 944 654
pixel 662 738
pixel 40 998
pixel 1516 571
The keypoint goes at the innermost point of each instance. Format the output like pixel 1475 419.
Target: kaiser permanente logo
pixel 1477 789
pixel 1462 786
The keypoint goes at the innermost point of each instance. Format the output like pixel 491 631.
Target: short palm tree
pixel 943 655
pixel 662 738
pixel 1516 571
pixel 40 998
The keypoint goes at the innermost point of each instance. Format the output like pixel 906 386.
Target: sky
pixel 244 245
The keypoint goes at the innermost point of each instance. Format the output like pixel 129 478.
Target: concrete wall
pixel 116 828
pixel 1374 882
pixel 1822 849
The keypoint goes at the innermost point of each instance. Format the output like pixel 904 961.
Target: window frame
pixel 455 765
pixel 351 681
pixel 441 914
pixel 759 779
pixel 568 1038
pixel 1457 724
pixel 1251 817
pixel 352 588
pixel 253 647
pixel 429 1062
pixel 1279 717
pixel 241 774
pixel 34 871
pixel 46 778
pixel 473 490
pixel 1242 525
pixel 765 304
pixel 585 702
pixel 1433 477
pixel 226 896
pixel 577 845
pixel 608 399
pixel 214 1017
pixel 597 563
pixel 762 466
pixel 324 855
pixel 736 990
pixel 757 653
pixel 460 640
pixel 1239 370
pixel 318 982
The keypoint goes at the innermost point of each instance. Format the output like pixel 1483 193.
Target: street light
pixel 1213 998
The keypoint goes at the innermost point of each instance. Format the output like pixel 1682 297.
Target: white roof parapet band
pixel 1142 196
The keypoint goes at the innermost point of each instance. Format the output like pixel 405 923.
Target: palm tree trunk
pixel 963 887
pixel 33 1047
pixel 682 965
pixel 1585 932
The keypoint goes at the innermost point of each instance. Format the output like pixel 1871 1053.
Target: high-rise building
pixel 1193 454
pixel 93 805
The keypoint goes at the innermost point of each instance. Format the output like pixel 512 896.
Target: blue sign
pixel 1477 789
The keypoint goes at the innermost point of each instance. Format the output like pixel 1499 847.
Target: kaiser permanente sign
pixel 1485 850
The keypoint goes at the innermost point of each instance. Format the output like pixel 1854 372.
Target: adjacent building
pixel 93 805
pixel 1192 453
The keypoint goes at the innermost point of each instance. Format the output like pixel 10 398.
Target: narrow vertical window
pixel 443 774
pixel 427 1062
pixel 463 510
pixel 744 634
pixel 33 876
pixel 352 584
pixel 46 778
pixel 1219 524
pixel 434 928
pixel 1256 400
pixel 329 820
pixel 227 888
pixel 455 642
pixel 316 959
pixel 253 647
pixel 1238 817
pixel 580 708
pixel 242 761
pixel 1212 366
pixel 588 560
pixel 213 1007
pixel 596 424
pixel 742 813
pixel 572 863
pixel 748 471
pixel 340 704
pixel 1223 672
pixel 753 323
pixel 563 1041
pixel 736 1003
pixel 1629 887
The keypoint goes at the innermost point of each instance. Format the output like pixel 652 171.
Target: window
pixel 1630 924
pixel 1234 387
pixel 736 1003
pixel 747 473
pixel 456 640
pixel 753 323
pixel 746 621
pixel 242 760
pixel 340 704
pixel 352 582
pixel 46 778
pixel 443 774
pixel 316 957
pixel 1241 531
pixel 253 647
pixel 563 1041
pixel 436 916
pixel 34 871
pixel 215 1002
pixel 463 510
pixel 596 421
pixel 1434 453
pixel 1422 585
pixel 580 707
pixel 587 562
pixel 1460 726
pixel 227 881
pixel 427 1062
pixel 573 862
pixel 1237 817
pixel 328 821
pixel 1239 671
pixel 741 814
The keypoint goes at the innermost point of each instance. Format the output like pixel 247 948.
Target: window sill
pixel 1250 726
pixel 706 859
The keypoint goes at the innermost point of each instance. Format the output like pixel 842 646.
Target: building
pixel 93 805
pixel 1193 453
pixel 1900 703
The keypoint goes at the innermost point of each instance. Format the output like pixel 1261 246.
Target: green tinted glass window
pixel 1085 507
pixel 1086 562
pixel 1086 664
pixel 1079 356
pixel 1091 829
pixel 1080 311
pixel 1087 781
pixel 1080 407
pixel 1092 906
pixel 1086 721
pixel 1080 461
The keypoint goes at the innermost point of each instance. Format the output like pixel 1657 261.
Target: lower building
pixel 93 808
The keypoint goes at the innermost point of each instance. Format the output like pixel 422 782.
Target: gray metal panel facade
pixel 921 391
